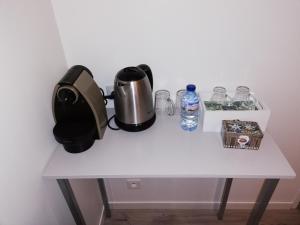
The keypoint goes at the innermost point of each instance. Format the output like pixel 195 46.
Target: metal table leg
pixel 224 198
pixel 262 201
pixel 101 185
pixel 69 196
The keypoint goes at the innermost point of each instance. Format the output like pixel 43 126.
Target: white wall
pixel 31 62
pixel 208 42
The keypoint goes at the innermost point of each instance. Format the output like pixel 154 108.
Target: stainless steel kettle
pixel 133 98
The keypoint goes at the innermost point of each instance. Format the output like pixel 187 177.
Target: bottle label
pixel 191 107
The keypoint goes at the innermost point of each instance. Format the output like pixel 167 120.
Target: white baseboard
pixel 194 205
pixel 101 220
pixel 297 200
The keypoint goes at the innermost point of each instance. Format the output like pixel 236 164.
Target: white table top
pixel 165 150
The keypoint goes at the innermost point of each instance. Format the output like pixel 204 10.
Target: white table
pixel 165 150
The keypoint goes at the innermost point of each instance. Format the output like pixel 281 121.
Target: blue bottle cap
pixel 190 87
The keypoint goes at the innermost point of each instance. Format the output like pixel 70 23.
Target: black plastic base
pixel 135 127
pixel 79 147
pixel 76 136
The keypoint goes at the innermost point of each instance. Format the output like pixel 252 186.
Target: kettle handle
pixel 148 72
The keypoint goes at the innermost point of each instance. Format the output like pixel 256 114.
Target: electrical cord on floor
pixel 108 124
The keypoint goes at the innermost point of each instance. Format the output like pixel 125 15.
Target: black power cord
pixel 111 96
pixel 105 99
pixel 108 123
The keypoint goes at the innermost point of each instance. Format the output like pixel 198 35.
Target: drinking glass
pixel 244 100
pixel 219 95
pixel 179 95
pixel 242 94
pixel 164 105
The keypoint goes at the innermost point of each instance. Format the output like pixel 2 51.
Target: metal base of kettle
pixel 135 127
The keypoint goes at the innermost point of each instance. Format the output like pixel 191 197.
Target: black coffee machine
pixel 79 110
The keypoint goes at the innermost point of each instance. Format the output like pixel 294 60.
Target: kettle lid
pixel 130 74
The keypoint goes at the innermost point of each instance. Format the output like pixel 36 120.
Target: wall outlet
pixel 109 89
pixel 133 183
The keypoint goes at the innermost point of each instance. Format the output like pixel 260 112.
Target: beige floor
pixel 199 217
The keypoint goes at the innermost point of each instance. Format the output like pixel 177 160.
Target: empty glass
pixel 219 95
pixel 179 95
pixel 163 103
pixel 243 100
pixel 242 94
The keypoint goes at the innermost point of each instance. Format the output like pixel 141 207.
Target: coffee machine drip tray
pixel 75 136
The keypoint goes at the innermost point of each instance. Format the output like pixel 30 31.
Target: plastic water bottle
pixel 189 109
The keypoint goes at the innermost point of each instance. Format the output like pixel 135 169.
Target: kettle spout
pixel 121 87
